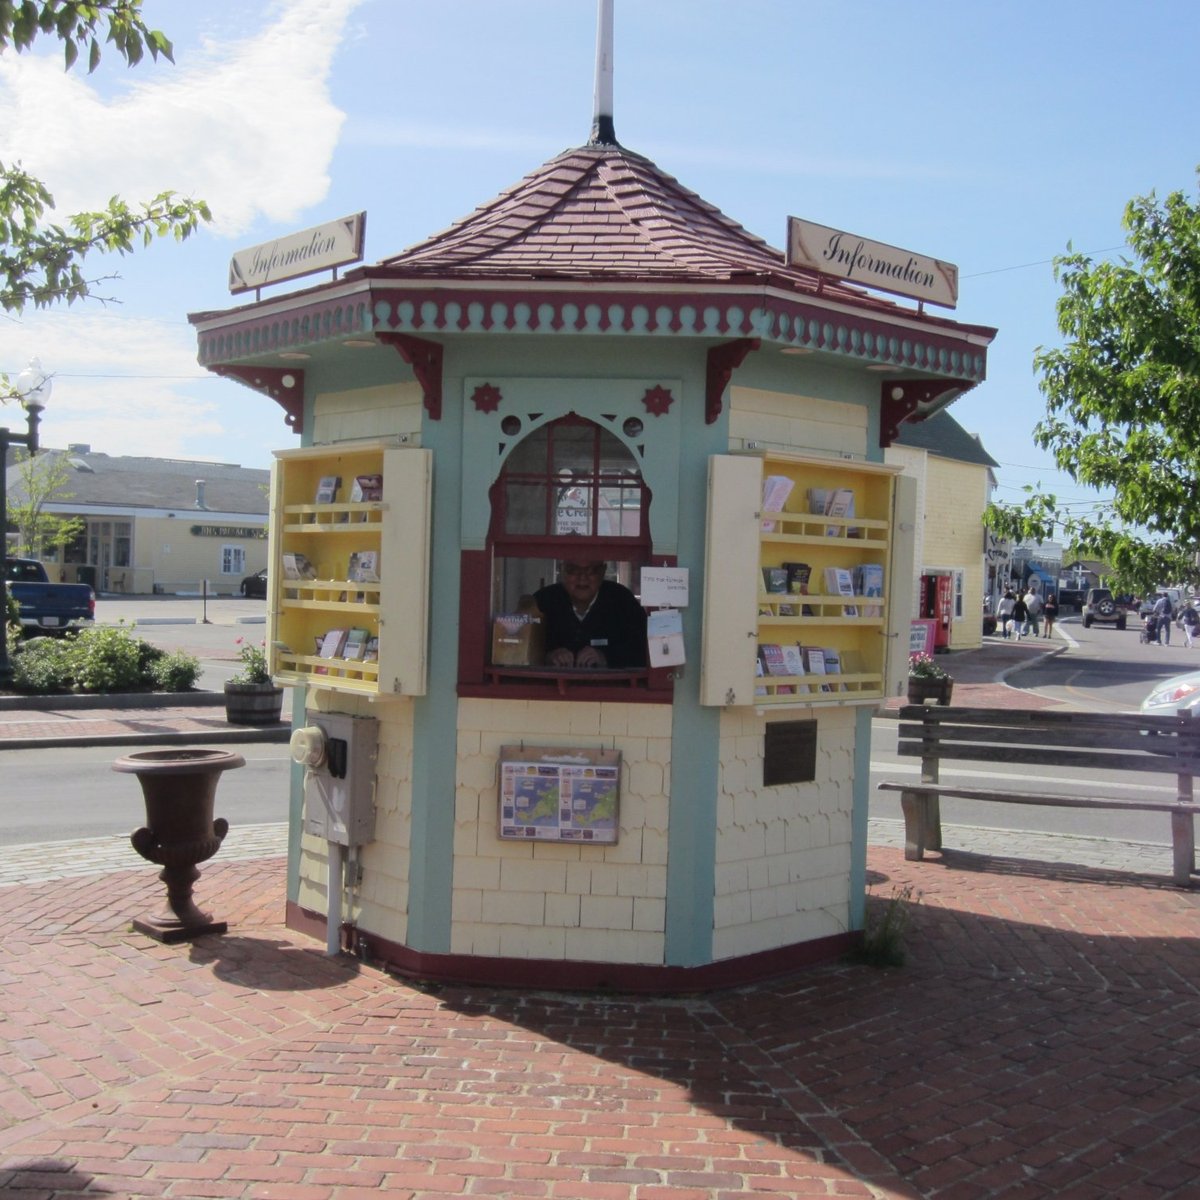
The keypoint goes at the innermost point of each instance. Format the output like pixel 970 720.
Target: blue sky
pixel 991 136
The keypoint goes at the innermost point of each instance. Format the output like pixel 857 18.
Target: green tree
pixel 43 480
pixel 1123 401
pixel 44 263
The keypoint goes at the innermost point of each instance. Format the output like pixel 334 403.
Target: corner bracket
pixel 723 360
pixel 425 358
pixel 284 385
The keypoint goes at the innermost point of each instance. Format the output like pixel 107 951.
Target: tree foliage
pixel 43 480
pixel 75 22
pixel 1123 401
pixel 44 263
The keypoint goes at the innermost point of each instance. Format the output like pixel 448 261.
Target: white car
pixel 1179 694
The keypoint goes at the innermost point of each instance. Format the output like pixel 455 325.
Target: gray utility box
pixel 339 779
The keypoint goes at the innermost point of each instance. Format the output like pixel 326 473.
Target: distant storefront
pixel 171 526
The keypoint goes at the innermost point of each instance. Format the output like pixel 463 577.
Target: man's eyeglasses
pixel 592 569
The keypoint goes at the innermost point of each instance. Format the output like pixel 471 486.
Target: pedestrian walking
pixel 1004 613
pixel 1190 622
pixel 1163 614
pixel 1020 616
pixel 1033 612
pixel 1049 615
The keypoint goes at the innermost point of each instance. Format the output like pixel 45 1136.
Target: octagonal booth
pixel 595 366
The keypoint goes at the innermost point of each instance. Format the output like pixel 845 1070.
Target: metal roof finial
pixel 603 133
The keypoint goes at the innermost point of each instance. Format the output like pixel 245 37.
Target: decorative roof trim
pixel 872 337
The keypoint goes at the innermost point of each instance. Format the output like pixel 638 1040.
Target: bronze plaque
pixel 790 752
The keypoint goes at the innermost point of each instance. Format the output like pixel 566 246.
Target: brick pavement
pixel 1043 1040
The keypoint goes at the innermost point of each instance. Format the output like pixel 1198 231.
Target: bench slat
pixel 1164 745
pixel 1049 756
pixel 1045 800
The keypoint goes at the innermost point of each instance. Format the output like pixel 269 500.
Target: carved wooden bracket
pixel 899 399
pixel 285 385
pixel 425 358
pixel 723 360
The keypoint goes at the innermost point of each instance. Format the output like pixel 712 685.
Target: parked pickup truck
pixel 47 607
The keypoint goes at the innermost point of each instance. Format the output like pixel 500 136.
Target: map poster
pixel 559 794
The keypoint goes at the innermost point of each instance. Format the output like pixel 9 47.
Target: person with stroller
pixel 1149 632
pixel 1162 615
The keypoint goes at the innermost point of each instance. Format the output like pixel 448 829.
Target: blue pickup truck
pixel 47 607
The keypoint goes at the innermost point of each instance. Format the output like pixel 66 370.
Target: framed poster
pixel 557 794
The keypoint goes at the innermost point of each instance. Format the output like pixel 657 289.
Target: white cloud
pixel 121 385
pixel 247 125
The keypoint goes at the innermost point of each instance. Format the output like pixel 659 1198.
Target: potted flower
pixel 250 696
pixel 928 681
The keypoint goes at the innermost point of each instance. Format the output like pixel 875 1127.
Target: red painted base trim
pixel 576 976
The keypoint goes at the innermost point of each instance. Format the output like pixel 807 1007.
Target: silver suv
pixel 1100 606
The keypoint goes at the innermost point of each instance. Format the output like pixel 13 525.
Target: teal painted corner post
pixel 696 729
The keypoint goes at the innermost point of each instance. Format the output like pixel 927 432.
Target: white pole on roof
pixel 603 132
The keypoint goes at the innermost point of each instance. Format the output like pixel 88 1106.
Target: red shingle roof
pixel 601 212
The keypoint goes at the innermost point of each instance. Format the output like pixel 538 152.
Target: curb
pixel 115 700
pixel 239 735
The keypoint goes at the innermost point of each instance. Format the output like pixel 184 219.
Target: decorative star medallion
pixel 486 398
pixel 657 400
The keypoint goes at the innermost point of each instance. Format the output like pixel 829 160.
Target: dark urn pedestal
pixel 179 786
pixel 920 691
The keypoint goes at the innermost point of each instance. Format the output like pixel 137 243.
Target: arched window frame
pixel 594 478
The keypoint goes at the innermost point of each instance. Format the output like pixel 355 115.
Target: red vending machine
pixel 937 605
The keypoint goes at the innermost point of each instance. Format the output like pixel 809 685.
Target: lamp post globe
pixel 33 387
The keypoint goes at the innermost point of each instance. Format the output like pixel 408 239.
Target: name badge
pixel 598 642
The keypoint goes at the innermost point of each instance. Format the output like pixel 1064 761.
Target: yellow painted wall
pixel 783 854
pixel 552 900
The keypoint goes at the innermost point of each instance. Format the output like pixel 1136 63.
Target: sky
pixel 993 136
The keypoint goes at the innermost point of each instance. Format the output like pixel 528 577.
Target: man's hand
pixel 589 656
pixel 562 657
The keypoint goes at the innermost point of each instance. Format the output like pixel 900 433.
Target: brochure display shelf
pixel 799 630
pixel 324 552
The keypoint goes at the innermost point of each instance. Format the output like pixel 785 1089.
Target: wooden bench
pixel 1111 743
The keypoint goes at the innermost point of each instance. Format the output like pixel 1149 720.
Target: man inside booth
pixel 591 621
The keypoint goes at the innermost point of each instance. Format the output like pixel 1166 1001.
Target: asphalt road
pixel 63 794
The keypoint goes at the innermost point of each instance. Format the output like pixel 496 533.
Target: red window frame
pixel 477 676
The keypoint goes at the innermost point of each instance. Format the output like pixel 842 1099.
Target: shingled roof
pixel 602 213
pixel 942 435
pixel 127 481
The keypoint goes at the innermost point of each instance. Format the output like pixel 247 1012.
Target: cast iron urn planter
pixel 253 703
pixel 179 786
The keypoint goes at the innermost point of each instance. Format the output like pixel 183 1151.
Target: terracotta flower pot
pixel 179 786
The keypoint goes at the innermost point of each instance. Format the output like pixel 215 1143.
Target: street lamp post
pixel 33 390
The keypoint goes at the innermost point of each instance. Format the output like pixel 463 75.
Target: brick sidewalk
pixel 1043 1041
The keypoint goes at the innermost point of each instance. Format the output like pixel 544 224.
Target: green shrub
pixel 43 665
pixel 107 660
pixel 174 672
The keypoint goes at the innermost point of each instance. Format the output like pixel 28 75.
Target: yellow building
pixel 954 480
pixel 154 525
